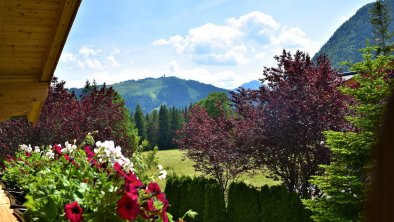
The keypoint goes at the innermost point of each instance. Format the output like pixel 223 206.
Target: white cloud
pixel 68 57
pixel 112 61
pixel 238 41
pixel 93 63
pixel 293 38
pixel 115 51
pixel 86 51
pixel 173 67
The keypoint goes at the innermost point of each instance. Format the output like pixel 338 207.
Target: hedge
pixel 245 203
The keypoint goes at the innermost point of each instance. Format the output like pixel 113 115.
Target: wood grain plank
pixel 1 12
pixel 19 61
pixel 21 55
pixel 15 70
pixel 31 4
pixel 26 35
pixel 64 24
pixel 30 42
pixel 5 211
pixel 22 48
pixel 29 13
pixel 26 28
pixel 34 113
pixel 23 92
pixel 13 20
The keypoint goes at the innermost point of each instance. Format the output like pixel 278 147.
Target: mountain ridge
pixel 351 36
pixel 150 92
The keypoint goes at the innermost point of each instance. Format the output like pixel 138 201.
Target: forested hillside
pixel 351 36
pixel 151 93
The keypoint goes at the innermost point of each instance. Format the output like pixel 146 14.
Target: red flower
pixel 89 153
pixel 163 214
pixel 150 206
pixel 128 207
pixel 73 212
pixel 119 169
pixel 155 190
pixel 58 149
pixel 133 180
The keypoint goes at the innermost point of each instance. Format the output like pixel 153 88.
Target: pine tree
pixel 140 122
pixel 347 178
pixel 380 18
pixel 164 128
pixel 152 128
pixel 176 124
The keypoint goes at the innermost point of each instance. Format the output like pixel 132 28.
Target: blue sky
pixel 221 42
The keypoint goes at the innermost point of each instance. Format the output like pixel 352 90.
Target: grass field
pixel 175 162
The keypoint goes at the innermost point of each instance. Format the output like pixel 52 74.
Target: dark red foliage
pixel 13 133
pixel 105 111
pixel 65 118
pixel 301 101
pixel 60 117
pixel 73 212
pixel 216 144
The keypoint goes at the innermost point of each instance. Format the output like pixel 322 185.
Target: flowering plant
pixel 87 182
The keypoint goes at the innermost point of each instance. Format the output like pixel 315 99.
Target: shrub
pixel 243 203
pixel 75 182
pixel 214 208
pixel 279 205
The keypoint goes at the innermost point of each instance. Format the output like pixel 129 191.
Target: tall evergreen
pixel 380 18
pixel 346 179
pixel 164 138
pixel 140 122
pixel 176 124
pixel 152 128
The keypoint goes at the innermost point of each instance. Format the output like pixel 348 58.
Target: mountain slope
pixel 351 36
pixel 150 93
pixel 254 84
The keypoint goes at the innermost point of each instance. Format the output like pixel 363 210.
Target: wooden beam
pixel 65 21
pixel 1 12
pixel 22 99
pixel 33 4
pixel 23 92
pixel 34 112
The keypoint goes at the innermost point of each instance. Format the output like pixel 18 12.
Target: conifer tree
pixel 164 137
pixel 380 18
pixel 346 179
pixel 176 124
pixel 152 129
pixel 140 122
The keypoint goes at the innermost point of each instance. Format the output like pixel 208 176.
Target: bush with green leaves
pixel 87 182
pixel 243 203
pixel 279 205
pixel 345 182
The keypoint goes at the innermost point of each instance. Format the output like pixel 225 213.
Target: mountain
pixel 254 84
pixel 351 36
pixel 150 93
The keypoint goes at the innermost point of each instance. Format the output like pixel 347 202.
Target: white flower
pixel 107 152
pixel 50 154
pixel 37 149
pixel 128 167
pixel 23 147
pixel 160 167
pixel 162 174
pixel 69 148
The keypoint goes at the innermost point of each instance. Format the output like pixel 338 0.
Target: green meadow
pixel 176 162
